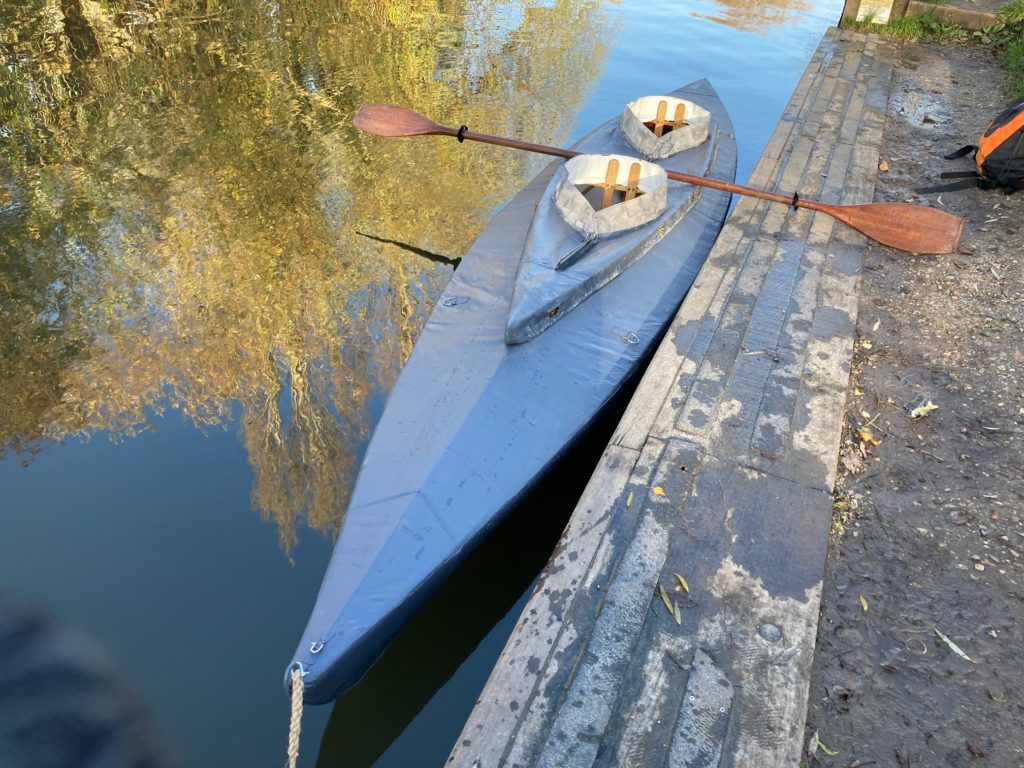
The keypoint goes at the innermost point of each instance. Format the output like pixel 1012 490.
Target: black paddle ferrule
pixel 461 135
pixel 795 200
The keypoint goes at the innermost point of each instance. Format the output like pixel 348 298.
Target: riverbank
pixel 995 23
pixel 919 643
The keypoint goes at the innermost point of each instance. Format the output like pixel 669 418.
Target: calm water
pixel 200 319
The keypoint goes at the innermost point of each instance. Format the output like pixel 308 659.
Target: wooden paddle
pixel 914 228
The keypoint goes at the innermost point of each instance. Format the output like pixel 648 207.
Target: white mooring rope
pixel 296 724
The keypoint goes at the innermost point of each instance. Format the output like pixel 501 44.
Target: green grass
pixel 1011 18
pixel 914 28
pixel 1006 36
pixel 1012 12
pixel 1013 59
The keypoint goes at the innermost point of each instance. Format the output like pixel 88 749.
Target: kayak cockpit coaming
pixel 648 130
pixel 561 266
pixel 550 294
pixel 646 195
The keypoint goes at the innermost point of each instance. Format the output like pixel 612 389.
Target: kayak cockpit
pixel 602 211
pixel 650 131
pixel 585 195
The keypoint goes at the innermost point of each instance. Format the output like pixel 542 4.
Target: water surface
pixel 209 281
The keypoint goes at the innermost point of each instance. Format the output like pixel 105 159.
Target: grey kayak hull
pixel 473 423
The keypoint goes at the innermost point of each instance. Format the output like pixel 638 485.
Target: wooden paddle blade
pixel 913 228
pixel 393 120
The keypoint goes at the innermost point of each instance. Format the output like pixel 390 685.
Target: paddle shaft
pixel 700 181
pixel 913 228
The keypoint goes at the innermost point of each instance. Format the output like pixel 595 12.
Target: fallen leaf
pixel 676 614
pixel 863 603
pixel 682 582
pixel 980 745
pixel 665 598
pixel 658 491
pixel 865 415
pixel 629 499
pixel 826 750
pixel 857 392
pixel 923 410
pixel 954 647
pixel 865 344
pixel 883 167
pixel 866 436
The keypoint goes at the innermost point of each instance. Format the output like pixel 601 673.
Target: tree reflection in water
pixel 180 191
pixel 755 16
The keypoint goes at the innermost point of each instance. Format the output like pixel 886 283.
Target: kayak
pixel 553 309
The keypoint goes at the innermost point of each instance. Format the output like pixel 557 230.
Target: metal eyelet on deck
pixel 627 337
pixel 453 301
pixel 316 647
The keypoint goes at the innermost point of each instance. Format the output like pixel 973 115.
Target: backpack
pixel 999 155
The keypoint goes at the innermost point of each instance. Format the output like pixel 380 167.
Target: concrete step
pixel 973 18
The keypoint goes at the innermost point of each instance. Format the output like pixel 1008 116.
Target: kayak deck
pixel 473 423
